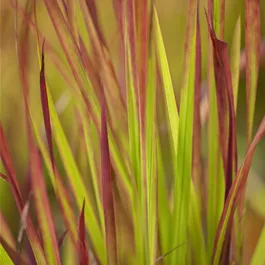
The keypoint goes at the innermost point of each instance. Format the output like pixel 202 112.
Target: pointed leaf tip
pixel 45 105
pixel 83 252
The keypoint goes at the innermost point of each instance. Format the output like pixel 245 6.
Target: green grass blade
pixel 4 258
pixel 183 165
pixel 164 214
pixel 150 161
pixel 171 105
pixel 76 181
pixel 57 183
pixel 258 257
pixel 89 137
pixel 196 230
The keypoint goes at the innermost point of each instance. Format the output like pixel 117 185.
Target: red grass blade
pixel 7 162
pixel 83 252
pixel 226 117
pixel 61 239
pixel 226 109
pixel 235 192
pixel 91 5
pixel 107 182
pixel 45 105
pixel 142 22
pixel 71 17
pixel 197 159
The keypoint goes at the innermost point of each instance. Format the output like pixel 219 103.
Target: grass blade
pixel 164 214
pixel 151 158
pixel 235 59
pixel 171 105
pixel 134 129
pixel 83 252
pixel 234 194
pixel 183 165
pixel 197 173
pixel 43 209
pixel 258 257
pixel 226 114
pixel 8 165
pixel 107 183
pixel 57 183
pixel 12 253
pixel 4 257
pixel 215 170
pixel 252 40
pixel 45 105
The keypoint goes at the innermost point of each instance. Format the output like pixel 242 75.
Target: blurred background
pixel 172 15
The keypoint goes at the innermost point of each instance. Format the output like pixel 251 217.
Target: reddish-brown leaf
pixel 225 102
pixel 197 160
pixel 61 238
pixel 226 117
pixel 11 177
pixel 83 252
pixel 45 105
pixel 235 192
pixel 142 21
pixel 91 5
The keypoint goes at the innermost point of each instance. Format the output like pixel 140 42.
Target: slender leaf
pixel 83 253
pixel 107 183
pixel 4 257
pixel 258 257
pixel 235 59
pixel 172 111
pixel 234 194
pixel 45 105
pixel 183 164
pixel 43 209
pixel 215 170
pixel 151 159
pixel 252 40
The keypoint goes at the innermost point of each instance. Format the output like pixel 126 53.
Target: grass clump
pixel 114 198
